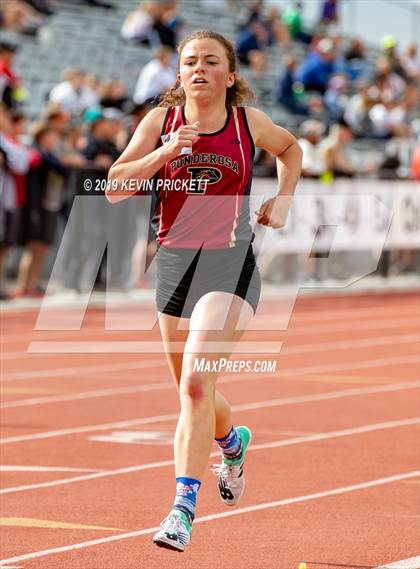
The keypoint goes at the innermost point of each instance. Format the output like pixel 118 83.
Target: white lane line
pixel 411 563
pixel 270 445
pixel 321 316
pixel 323 368
pixel 305 330
pixel 319 346
pixel 211 517
pixel 343 344
pixel 78 370
pixel 249 348
pixel 354 392
pixel 324 396
pixel 49 399
pixel 15 468
pixel 151 347
pixel 89 428
pixel 354 313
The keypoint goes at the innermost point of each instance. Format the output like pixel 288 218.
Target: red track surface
pixel 347 370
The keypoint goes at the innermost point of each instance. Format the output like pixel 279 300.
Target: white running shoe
pixel 230 473
pixel 175 532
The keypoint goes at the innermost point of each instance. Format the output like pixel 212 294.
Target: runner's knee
pixel 196 387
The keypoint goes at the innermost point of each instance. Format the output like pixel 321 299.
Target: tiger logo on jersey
pixel 201 177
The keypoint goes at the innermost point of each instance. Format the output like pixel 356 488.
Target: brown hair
pixel 235 95
pixel 40 129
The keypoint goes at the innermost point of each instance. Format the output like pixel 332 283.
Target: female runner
pixel 208 283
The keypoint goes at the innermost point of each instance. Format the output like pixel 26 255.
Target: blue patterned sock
pixel 186 496
pixel 231 445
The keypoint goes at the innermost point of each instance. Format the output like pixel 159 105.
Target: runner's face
pixel 204 69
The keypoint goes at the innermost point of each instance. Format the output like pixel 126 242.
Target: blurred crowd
pixel 338 93
pixel 31 16
pixel 335 75
pixel 83 129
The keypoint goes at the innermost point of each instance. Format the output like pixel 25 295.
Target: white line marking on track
pixel 354 313
pixel 411 563
pixel 273 444
pixel 343 344
pixel 14 468
pixel 250 348
pixel 354 365
pixel 86 395
pixel 241 407
pixel 151 347
pixel 323 368
pixel 303 315
pixel 211 517
pixel 77 370
pixel 137 437
pixel 394 323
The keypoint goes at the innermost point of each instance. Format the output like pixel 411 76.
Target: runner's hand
pixel 181 138
pixel 274 211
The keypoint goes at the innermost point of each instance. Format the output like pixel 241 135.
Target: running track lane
pixel 364 457
pixel 170 559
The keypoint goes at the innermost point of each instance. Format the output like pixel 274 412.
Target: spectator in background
pixel 70 95
pixel 152 23
pixel 168 25
pixel 9 81
pixel 250 12
pixel 357 65
pixel 56 118
pixel 14 163
pixel 277 31
pixel 92 91
pixel 390 54
pixel 410 62
pixel 333 150
pixel 317 67
pixel 292 18
pixel 357 110
pixel 45 194
pixel 313 164
pixel 251 45
pixel 155 77
pixel 288 92
pixel 391 85
pixel 100 150
pixel 336 98
pixel 138 25
pixel 114 95
pixel 391 118
pixel 99 147
pixel 66 152
pixel 44 7
pixel 18 131
pixel 17 16
pixel 329 12
pixel 138 113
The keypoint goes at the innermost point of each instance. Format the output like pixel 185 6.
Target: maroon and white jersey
pixel 203 197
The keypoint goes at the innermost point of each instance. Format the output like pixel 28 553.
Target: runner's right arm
pixel 141 159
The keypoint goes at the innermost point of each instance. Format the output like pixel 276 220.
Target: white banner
pixel 346 215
